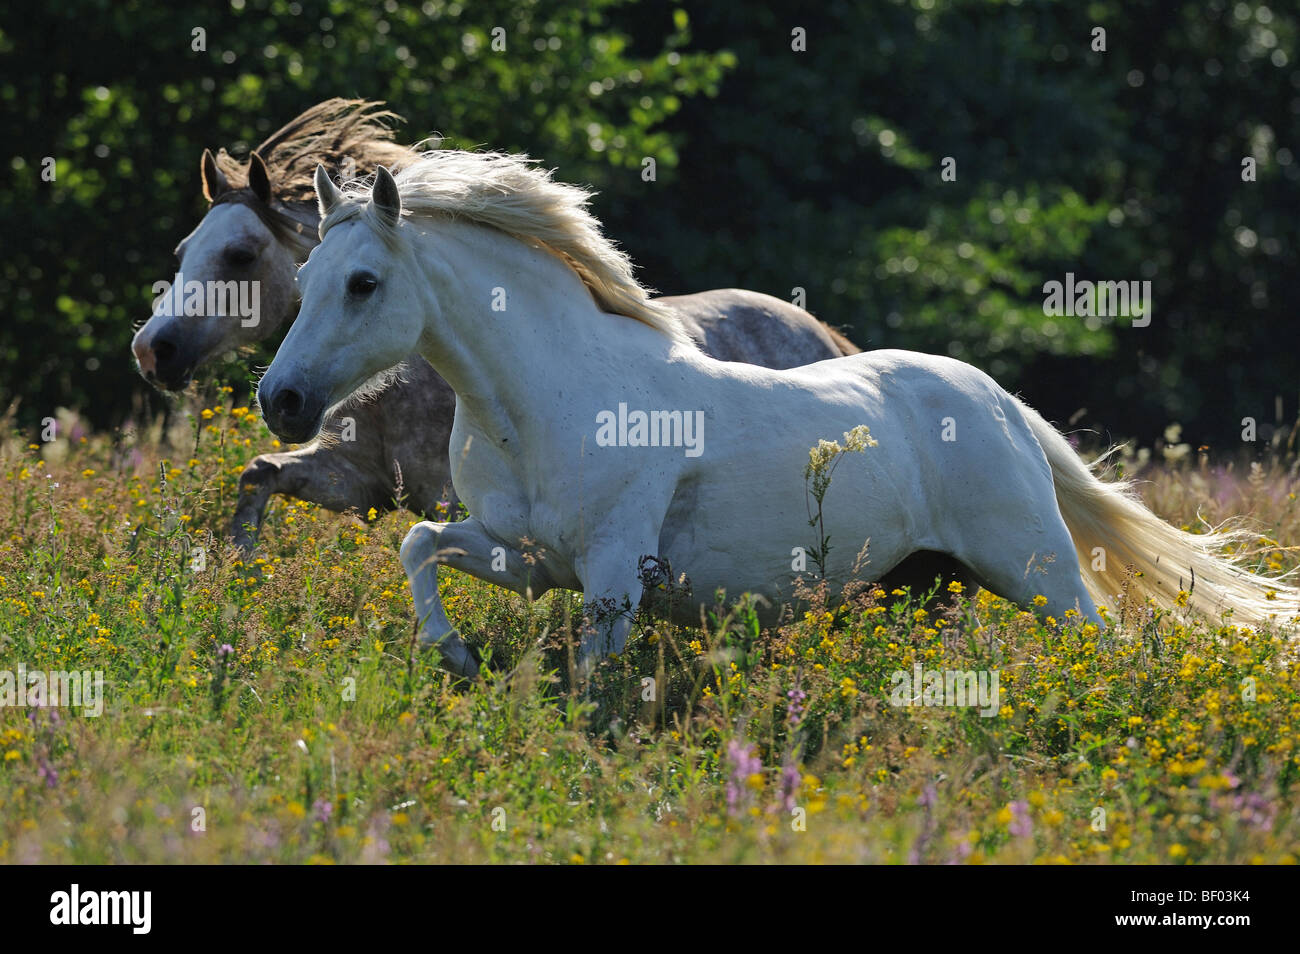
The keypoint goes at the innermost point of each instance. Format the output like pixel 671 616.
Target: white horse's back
pixel 952 449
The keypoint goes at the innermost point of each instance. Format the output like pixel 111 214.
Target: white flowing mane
pixel 513 194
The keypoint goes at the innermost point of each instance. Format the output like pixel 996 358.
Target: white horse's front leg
pixel 612 591
pixel 467 547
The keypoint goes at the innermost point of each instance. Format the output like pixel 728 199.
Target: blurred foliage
pixel 777 169
pixel 821 170
pixel 116 94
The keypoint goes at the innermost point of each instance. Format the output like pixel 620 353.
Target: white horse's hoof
pixel 432 640
pixel 455 653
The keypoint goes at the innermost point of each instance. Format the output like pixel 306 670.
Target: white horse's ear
pixel 385 197
pixel 259 178
pixel 327 193
pixel 214 182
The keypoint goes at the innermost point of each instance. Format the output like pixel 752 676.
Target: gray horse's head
pixel 235 282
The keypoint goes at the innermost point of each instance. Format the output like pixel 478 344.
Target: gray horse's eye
pixel 362 284
pixel 239 255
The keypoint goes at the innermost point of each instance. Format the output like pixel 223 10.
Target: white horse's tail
pixel 1109 516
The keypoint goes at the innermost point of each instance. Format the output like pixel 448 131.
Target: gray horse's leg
pixel 324 475
pixel 467 547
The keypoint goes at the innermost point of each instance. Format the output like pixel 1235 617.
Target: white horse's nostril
pixel 287 403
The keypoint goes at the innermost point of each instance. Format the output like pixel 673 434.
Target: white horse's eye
pixel 362 284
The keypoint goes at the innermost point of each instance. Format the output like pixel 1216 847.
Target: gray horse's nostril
pixel 287 403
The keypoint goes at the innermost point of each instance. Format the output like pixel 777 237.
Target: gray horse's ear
pixel 259 178
pixel 328 195
pixel 214 183
pixel 385 197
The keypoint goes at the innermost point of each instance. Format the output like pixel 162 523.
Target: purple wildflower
pixel 794 708
pixel 48 772
pixel 790 781
pixel 744 763
pixel 322 810
pixel 927 800
pixel 1021 825
pixel 1255 810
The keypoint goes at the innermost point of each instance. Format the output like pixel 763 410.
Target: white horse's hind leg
pixel 466 546
pixel 1020 548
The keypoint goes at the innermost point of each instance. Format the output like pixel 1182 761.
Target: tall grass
pixel 278 710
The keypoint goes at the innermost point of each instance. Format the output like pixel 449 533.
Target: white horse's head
pixel 235 283
pixel 362 310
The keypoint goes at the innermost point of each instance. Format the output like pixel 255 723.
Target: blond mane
pixel 329 133
pixel 515 195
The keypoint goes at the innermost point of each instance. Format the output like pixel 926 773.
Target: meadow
pixel 278 710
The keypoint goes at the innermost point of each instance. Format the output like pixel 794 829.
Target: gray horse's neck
pixel 303 221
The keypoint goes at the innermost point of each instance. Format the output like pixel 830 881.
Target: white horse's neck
pixel 504 319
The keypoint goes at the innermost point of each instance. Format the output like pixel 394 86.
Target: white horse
pixel 262 224
pixel 502 280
